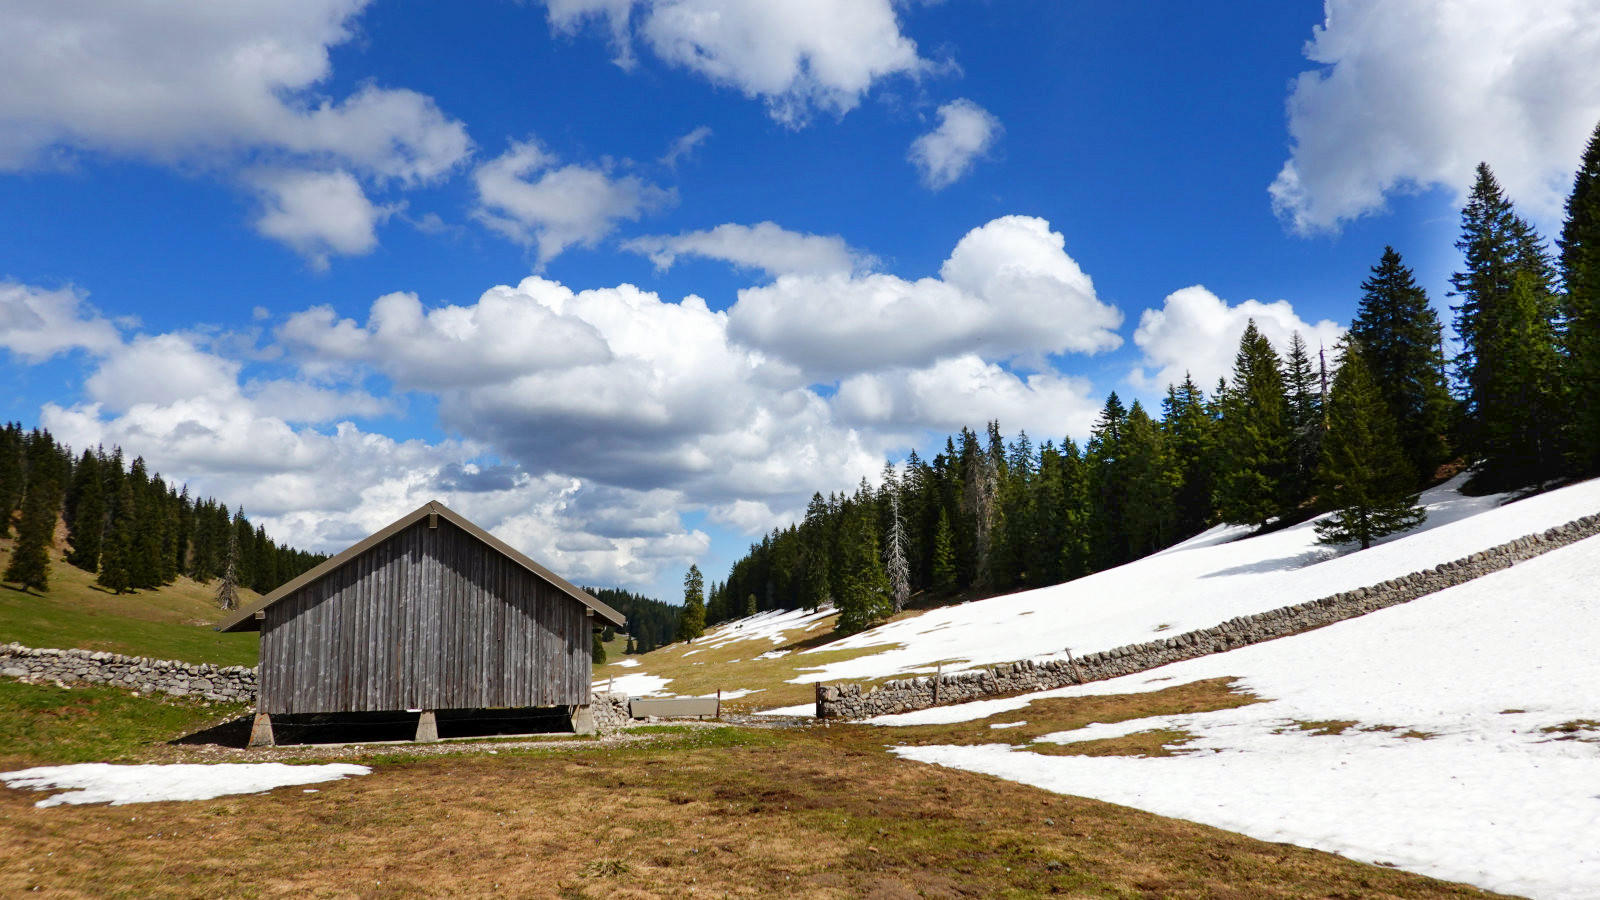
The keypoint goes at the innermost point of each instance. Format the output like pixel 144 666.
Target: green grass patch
pixel 48 725
pixel 174 622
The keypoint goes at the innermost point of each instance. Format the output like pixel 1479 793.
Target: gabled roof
pixel 245 619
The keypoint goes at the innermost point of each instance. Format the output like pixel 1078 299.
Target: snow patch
pixel 799 709
pixel 1210 578
pixel 1436 777
pixel 121 785
pixel 626 663
pixel 636 684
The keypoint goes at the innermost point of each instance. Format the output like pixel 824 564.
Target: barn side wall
pixel 432 618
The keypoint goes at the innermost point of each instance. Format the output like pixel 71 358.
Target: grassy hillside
pixel 171 623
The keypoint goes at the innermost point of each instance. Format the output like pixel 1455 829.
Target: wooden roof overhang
pixel 249 619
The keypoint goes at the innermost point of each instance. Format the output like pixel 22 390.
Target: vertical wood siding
pixel 429 619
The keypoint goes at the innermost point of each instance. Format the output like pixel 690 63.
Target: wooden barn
pixel 430 614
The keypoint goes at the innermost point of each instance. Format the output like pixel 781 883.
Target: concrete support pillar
pixel 583 720
pixel 427 728
pixel 261 731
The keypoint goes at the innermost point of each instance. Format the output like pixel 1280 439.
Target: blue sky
pixel 626 280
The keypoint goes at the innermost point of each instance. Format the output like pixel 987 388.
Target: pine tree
pixel 1191 434
pixel 12 477
pixel 1363 475
pixel 816 542
pixel 1254 436
pixel 750 607
pixel 228 590
pixel 118 542
pixel 1399 334
pixel 944 556
pixel 863 596
pixel 632 647
pixel 1510 359
pixel 1152 482
pixel 1580 269
pixel 1303 395
pixel 30 558
pixel 898 570
pixel 87 529
pixel 692 621
pixel 597 650
pixel 1108 486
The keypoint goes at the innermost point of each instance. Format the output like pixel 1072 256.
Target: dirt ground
pixel 674 812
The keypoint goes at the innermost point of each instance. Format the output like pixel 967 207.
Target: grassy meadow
pixel 174 622
pixel 817 812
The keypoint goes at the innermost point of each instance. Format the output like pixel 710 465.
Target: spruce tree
pixel 1254 436
pixel 12 474
pixel 1399 334
pixel 632 647
pixel 30 558
pixel 1363 476
pixel 863 596
pixel 750 607
pixel 1108 487
pixel 1510 359
pixel 1302 390
pixel 1580 270
pixel 118 544
pixel 692 621
pixel 1191 434
pixel 87 528
pixel 944 556
pixel 1152 482
pixel 597 650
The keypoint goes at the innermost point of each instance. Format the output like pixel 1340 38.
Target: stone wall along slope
pixel 849 701
pixel 229 684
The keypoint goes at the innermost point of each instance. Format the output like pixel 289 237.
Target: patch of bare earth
pixel 818 812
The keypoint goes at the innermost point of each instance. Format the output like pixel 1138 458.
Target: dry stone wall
pixel 610 711
pixel 230 684
pixel 849 701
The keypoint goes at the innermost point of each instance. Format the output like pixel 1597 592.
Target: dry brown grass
pixel 699 668
pixel 1067 713
pixel 719 812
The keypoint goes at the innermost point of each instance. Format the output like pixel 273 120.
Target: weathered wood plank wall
pixel 430 619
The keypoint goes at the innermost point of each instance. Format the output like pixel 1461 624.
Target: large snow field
pixel 1208 579
pixel 1490 798
pixel 120 785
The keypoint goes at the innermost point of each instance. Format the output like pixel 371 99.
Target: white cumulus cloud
pixel 37 324
pixel 1008 291
pixel 1196 331
pixel 526 196
pixel 798 56
pixel 764 245
pixel 966 133
pixel 1409 96
pixel 318 214
pixel 188 80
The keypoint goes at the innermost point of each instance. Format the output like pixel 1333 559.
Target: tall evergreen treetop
pixel 1508 322
pixel 1254 436
pixel 1580 270
pixel 692 622
pixel 1399 334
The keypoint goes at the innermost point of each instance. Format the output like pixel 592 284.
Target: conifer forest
pixel 1356 430
pixel 126 524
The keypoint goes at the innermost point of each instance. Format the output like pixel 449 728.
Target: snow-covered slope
pixel 1199 583
pixel 1499 795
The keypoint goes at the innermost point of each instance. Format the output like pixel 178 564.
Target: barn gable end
pixel 430 613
